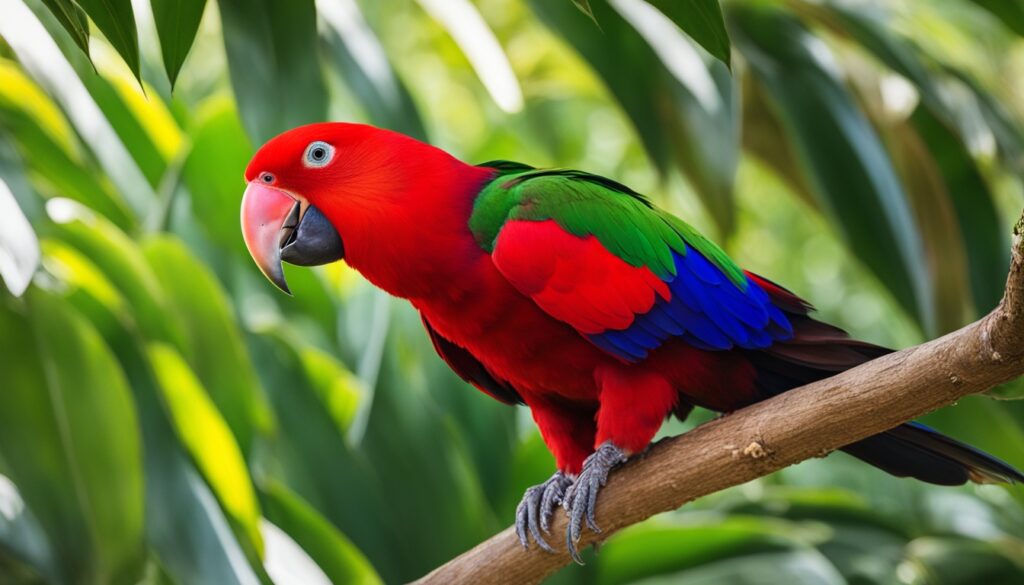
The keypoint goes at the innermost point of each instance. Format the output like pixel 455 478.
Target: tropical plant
pixel 166 417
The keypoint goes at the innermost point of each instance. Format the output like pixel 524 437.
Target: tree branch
pixel 806 422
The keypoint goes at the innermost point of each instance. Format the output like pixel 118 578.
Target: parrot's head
pixel 323 192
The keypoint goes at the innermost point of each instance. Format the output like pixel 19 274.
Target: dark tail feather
pixel 914 450
pixel 818 350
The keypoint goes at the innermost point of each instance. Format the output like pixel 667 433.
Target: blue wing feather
pixel 707 310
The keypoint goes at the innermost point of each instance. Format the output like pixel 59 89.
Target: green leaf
pixel 683 113
pixel 947 561
pixel 274 64
pixel 214 172
pixel 658 548
pixel 364 67
pixel 213 342
pixel 928 192
pixel 116 19
pixel 73 19
pixel 69 434
pixel 208 439
pixel 121 260
pixel 112 97
pixel 1011 12
pixel 19 247
pixel 340 560
pixel 185 526
pixel 584 6
pixel 947 122
pixel 25 553
pixel 703 21
pixel 1013 390
pixel 43 58
pixel 177 22
pixel 973 200
pixel 49 149
pixel 838 152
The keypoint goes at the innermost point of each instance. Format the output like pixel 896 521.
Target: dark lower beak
pixel 276 227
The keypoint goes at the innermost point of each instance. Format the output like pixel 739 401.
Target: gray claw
pixel 536 508
pixel 580 499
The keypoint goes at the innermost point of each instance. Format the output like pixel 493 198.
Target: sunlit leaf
pixel 116 19
pixel 208 439
pixel 365 68
pixel 274 64
pixel 470 32
pixel 703 21
pixel 19 247
pixel 942 561
pixel 661 548
pixel 584 6
pixel 286 563
pixel 214 172
pixel 25 554
pixel 177 22
pixel 665 90
pixel 947 123
pixel 130 124
pixel 985 240
pixel 339 559
pixel 43 59
pixel 1010 12
pixel 18 93
pixel 924 182
pixel 73 19
pixel 70 437
pixel 185 526
pixel 121 260
pixel 213 342
pixel 838 152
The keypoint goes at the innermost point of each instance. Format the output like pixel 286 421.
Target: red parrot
pixel 564 291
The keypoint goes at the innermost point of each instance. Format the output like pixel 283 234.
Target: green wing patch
pixel 624 221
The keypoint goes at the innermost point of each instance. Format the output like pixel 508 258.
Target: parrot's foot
pixel 536 508
pixel 580 499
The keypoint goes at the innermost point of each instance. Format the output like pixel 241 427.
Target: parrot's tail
pixel 818 350
pixel 914 450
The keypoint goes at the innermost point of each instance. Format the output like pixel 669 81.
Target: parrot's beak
pixel 277 226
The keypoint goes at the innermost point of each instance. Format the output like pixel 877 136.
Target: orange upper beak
pixel 277 226
pixel 265 213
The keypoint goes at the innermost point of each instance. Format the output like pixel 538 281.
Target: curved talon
pixel 534 512
pixel 580 499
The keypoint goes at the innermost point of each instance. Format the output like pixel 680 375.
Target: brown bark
pixel 806 422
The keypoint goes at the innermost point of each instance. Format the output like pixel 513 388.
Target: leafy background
pixel 166 417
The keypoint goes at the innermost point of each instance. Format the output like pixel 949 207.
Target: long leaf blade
pixel 703 21
pixel 177 22
pixel 838 152
pixel 83 475
pixel 274 65
pixel 73 19
pixel 116 19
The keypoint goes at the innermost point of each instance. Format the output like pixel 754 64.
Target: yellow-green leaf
pixel 208 439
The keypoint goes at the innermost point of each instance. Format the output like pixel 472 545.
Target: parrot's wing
pixel 470 369
pixel 623 273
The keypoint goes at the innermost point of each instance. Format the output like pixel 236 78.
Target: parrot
pixel 566 292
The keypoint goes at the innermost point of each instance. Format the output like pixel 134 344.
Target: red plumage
pixel 580 299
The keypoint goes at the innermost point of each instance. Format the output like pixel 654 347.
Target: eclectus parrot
pixel 564 291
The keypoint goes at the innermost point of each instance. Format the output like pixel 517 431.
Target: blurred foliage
pixel 166 417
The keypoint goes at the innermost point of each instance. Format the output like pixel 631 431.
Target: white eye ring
pixel 318 154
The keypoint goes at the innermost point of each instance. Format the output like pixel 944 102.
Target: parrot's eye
pixel 318 154
pixel 267 178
